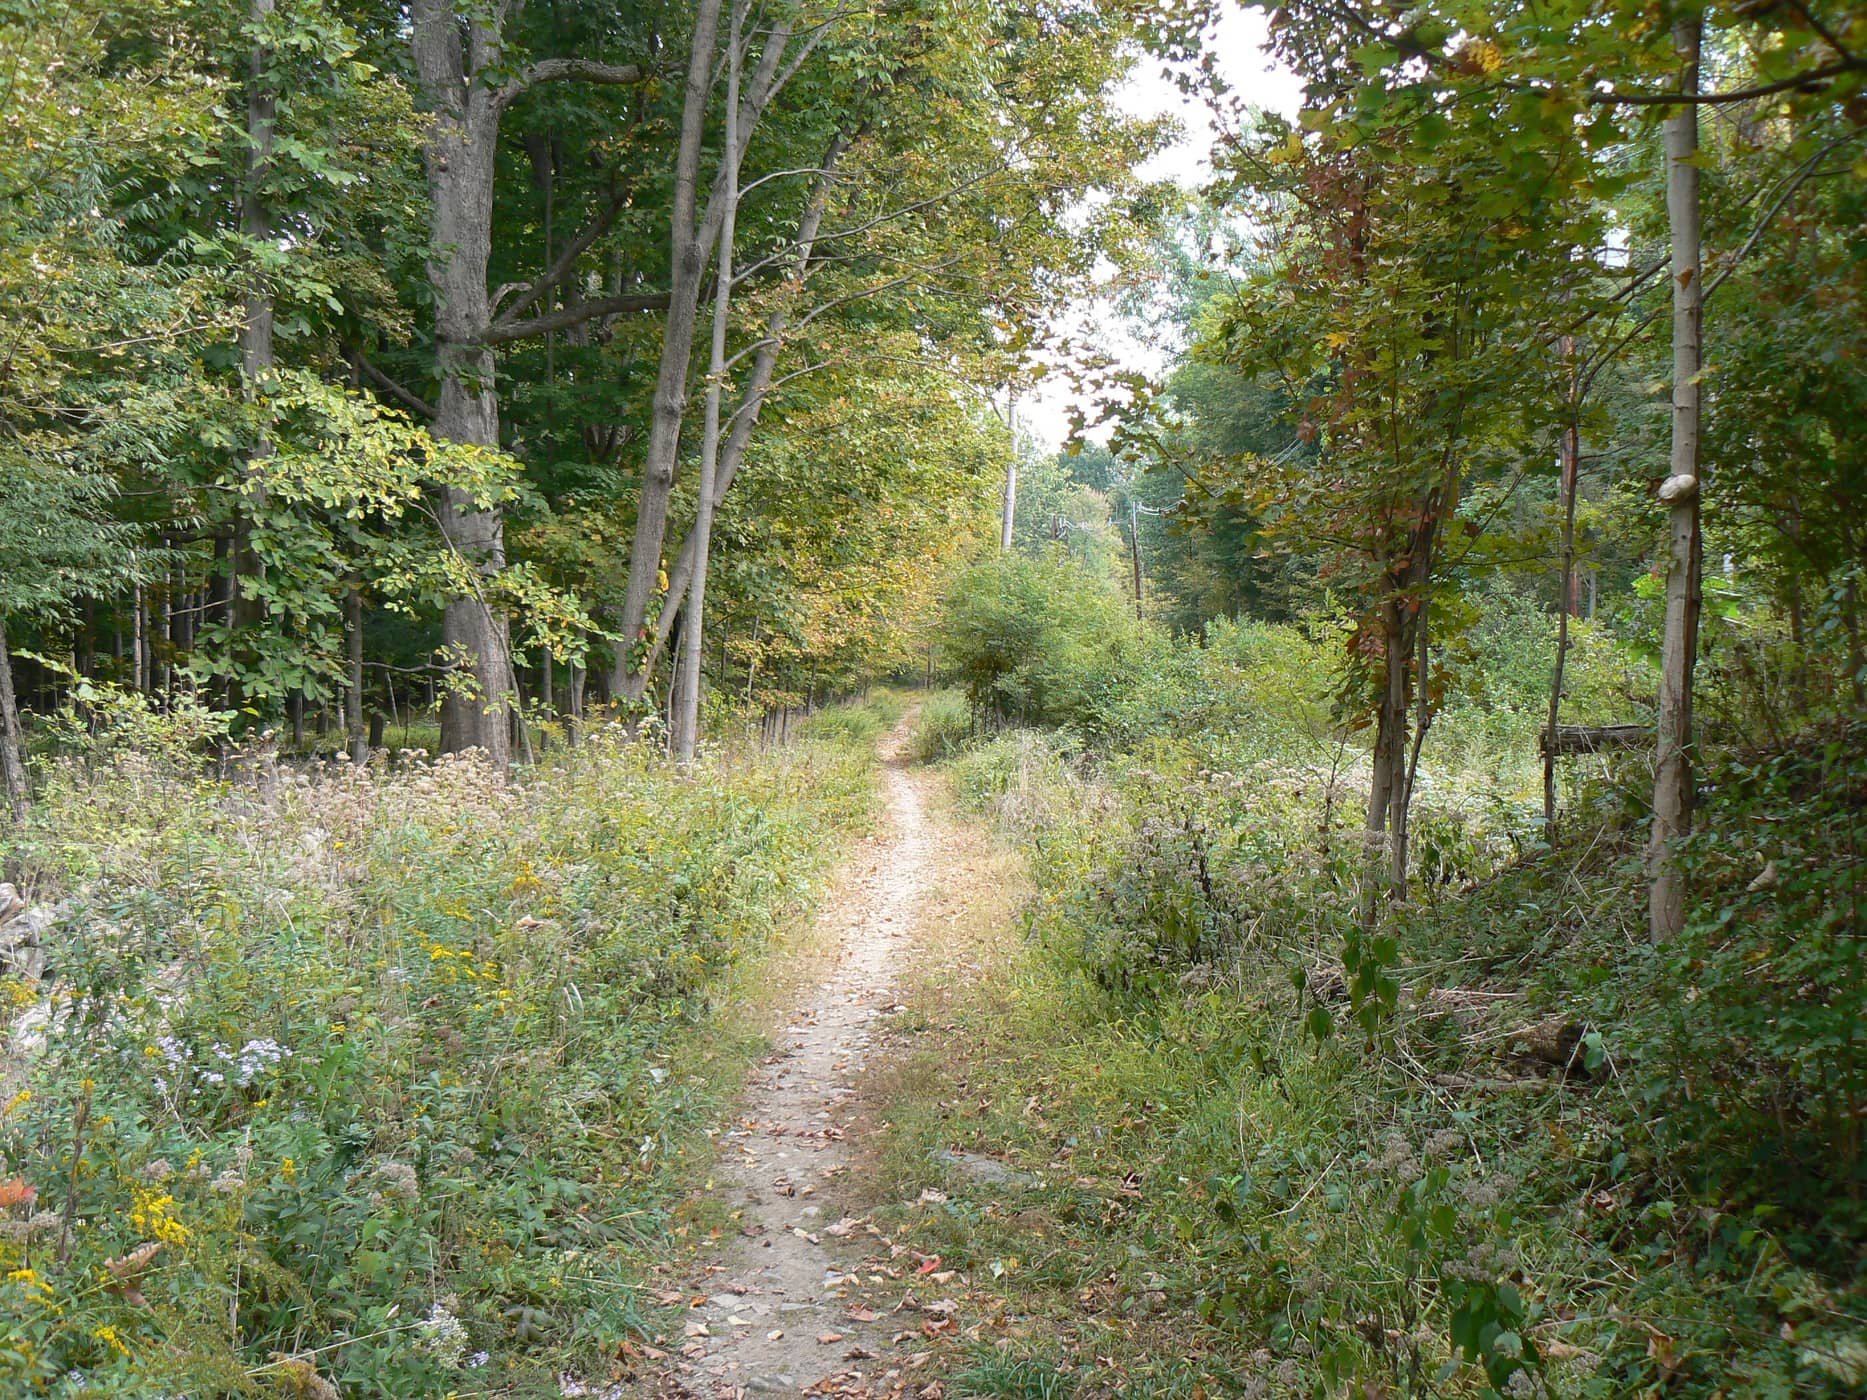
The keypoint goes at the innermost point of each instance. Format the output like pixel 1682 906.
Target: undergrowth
pixel 379 1081
pixel 1274 1156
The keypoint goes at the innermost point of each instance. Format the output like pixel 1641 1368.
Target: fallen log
pixel 1593 738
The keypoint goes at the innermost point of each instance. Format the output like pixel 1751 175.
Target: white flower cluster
pixel 243 1066
pixel 442 1335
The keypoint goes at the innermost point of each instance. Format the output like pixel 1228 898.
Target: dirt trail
pixel 786 1310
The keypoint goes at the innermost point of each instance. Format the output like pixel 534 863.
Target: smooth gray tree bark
pixel 693 232
pixel 256 324
pixel 464 82
pixel 687 686
pixel 13 787
pixel 1672 783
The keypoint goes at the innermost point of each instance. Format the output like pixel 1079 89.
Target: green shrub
pixel 944 727
pixel 1038 640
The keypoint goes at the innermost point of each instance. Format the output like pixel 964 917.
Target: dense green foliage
pixel 297 369
pixel 380 1076
pixel 466 361
pixel 1344 1155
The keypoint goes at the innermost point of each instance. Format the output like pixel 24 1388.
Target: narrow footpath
pixel 798 1302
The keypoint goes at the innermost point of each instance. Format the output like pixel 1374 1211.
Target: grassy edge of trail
pixel 386 1085
pixel 1171 1187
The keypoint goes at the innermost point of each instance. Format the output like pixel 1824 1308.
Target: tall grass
pixel 373 1081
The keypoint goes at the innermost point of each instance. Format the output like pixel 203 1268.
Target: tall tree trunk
pixel 1402 816
pixel 688 259
pixel 693 625
pixel 1851 623
pixel 460 151
pixel 1008 517
pixel 1390 745
pixel 353 692
pixel 1402 616
pixel 752 399
pixel 13 788
pixel 574 730
pixel 256 353
pixel 1672 784
pixel 139 675
pixel 1134 545
pixel 1571 469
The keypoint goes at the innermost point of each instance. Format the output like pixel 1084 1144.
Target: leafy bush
pixel 1038 640
pixel 944 727
pixel 381 1080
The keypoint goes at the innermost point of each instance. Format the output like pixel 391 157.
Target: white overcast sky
pixel 1256 82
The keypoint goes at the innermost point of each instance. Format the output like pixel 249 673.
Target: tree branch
pixel 564 317
pixel 1815 77
pixel 574 70
pixel 1791 184
pixel 566 260
pixel 407 398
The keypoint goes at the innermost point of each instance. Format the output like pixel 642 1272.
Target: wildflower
pixel 257 1056
pixel 399 1181
pixel 110 1338
pixel 1479 1194
pixel 154 1215
pixel 29 1280
pixel 442 1336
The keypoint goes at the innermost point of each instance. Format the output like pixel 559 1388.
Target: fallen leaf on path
pixel 827 1339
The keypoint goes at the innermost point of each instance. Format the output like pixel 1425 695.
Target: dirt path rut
pixel 784 1309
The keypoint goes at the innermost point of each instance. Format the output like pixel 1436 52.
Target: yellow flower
pixel 22 1097
pixel 154 1215
pixel 29 1278
pixel 288 1168
pixel 108 1336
